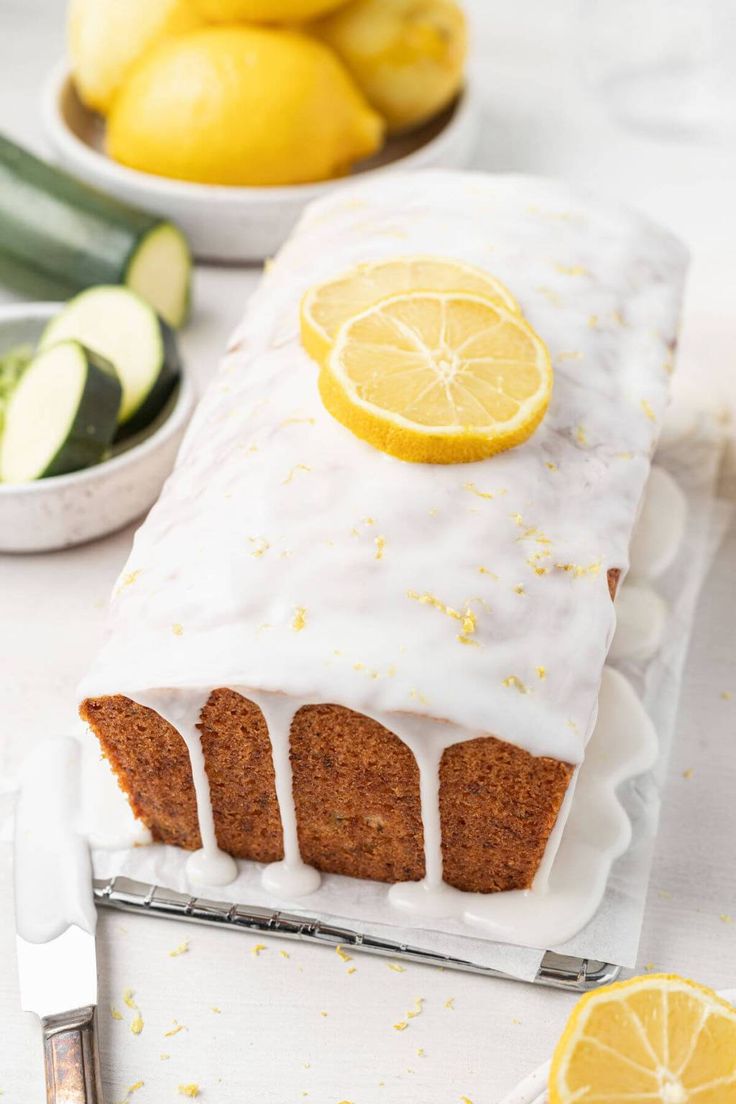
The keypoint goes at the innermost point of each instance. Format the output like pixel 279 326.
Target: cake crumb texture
pixel 356 792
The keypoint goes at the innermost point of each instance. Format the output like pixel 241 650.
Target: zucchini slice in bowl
pixel 61 416
pixel 124 329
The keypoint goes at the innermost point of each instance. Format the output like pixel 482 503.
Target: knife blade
pixel 55 921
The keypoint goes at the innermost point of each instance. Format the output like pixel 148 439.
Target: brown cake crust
pixel 498 805
pixel 356 792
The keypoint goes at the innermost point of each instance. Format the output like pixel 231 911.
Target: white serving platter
pixel 235 223
pixel 65 510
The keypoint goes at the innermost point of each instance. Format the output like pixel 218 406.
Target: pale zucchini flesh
pixel 61 416
pixel 119 325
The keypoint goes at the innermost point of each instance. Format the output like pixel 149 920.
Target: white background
pixel 270 1041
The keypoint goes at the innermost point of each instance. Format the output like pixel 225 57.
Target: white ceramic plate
pixel 235 223
pixel 70 509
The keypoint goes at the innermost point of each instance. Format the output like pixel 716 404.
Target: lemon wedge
pixel 657 1038
pixel 326 306
pixel 437 377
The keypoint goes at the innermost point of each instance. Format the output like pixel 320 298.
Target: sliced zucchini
pixel 61 416
pixel 60 234
pixel 117 323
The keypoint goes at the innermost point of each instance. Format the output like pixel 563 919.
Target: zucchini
pixel 13 364
pixel 61 416
pixel 63 234
pixel 119 325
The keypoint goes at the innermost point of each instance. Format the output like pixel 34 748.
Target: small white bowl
pixel 64 510
pixel 235 223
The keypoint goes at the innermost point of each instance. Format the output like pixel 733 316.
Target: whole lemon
pixel 406 55
pixel 265 11
pixel 106 39
pixel 242 105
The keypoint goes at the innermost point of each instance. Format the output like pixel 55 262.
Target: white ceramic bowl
pixel 69 509
pixel 235 223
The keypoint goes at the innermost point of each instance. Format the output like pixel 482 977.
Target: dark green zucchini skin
pixel 166 381
pixel 65 232
pixel 93 427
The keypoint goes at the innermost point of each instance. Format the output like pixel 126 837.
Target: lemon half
pixel 438 377
pixel 658 1038
pixel 325 307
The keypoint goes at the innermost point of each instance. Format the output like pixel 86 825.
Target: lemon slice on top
pixel 657 1039
pixel 438 377
pixel 326 306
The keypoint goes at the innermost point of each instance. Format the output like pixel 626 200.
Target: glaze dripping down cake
pixel 326 659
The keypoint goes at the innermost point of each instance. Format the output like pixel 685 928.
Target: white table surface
pixel 271 1040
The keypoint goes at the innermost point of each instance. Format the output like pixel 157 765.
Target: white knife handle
pixel 72 1058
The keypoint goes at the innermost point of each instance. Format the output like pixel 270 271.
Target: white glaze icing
pixel 53 873
pixel 182 709
pixel 291 877
pixel 641 616
pixel 659 528
pixel 260 566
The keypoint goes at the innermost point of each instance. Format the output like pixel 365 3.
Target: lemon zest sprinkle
pixel 294 470
pixel 257 948
pixel 380 543
pixel 137 1024
pixel 177 629
pixel 180 950
pixel 512 682
pixel 541 672
pixel 342 955
pixel 572 270
pixel 174 1030
pixel 647 408
pixel 261 547
pixel 477 491
pixel 300 619
pixel 190 1090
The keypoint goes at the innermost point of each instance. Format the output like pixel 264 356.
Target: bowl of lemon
pixel 228 116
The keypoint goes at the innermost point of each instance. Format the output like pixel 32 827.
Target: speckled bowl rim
pixel 174 423
pixel 160 188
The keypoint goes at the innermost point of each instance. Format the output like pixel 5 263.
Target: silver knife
pixel 55 920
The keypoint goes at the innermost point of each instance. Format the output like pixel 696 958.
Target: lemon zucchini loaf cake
pixel 324 658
